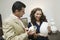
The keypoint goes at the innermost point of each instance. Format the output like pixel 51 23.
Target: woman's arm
pixel 49 29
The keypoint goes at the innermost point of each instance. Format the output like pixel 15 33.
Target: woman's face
pixel 37 15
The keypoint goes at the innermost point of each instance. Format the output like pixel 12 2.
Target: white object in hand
pixel 32 28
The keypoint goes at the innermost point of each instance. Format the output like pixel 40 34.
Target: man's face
pixel 21 12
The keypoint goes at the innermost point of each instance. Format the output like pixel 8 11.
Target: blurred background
pixel 51 9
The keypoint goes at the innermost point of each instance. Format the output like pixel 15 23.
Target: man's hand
pixel 29 32
pixel 26 29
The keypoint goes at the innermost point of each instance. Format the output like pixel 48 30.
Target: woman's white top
pixel 43 29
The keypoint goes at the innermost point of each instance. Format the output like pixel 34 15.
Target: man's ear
pixel 16 11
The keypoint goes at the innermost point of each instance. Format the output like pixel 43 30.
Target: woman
pixel 37 18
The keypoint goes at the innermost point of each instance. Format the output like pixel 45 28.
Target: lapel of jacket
pixel 17 21
pixel 17 24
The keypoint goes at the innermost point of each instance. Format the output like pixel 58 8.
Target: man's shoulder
pixel 7 20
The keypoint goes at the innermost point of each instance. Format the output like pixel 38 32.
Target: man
pixel 13 27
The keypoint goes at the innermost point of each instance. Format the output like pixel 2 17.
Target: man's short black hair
pixel 18 6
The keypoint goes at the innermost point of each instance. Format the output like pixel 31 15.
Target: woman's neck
pixel 38 22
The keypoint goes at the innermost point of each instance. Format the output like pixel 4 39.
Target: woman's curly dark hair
pixel 42 18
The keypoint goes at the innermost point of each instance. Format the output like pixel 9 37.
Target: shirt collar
pixel 13 16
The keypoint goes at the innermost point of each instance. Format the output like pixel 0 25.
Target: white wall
pixel 49 7
pixel 56 12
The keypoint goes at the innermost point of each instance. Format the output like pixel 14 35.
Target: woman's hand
pixel 31 32
pixel 49 29
pixel 35 35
